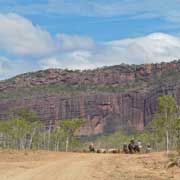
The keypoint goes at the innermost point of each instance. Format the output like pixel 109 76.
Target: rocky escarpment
pixel 61 94
pixel 104 113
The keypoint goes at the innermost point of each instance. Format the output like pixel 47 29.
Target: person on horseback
pixel 131 146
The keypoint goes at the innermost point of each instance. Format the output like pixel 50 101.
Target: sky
pixel 82 34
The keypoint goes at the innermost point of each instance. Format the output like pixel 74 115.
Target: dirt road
pixel 78 166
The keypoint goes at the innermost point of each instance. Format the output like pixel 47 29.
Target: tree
pixel 57 138
pixel 69 127
pixel 24 113
pixel 177 128
pixel 165 118
pixel 18 132
pixel 33 129
pixel 5 134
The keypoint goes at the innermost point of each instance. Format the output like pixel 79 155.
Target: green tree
pixel 5 131
pixel 24 113
pixel 165 119
pixel 177 128
pixel 69 127
pixel 57 138
pixel 19 131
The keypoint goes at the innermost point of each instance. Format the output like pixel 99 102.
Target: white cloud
pixel 72 60
pixel 20 37
pixel 156 47
pixel 72 42
pixel 51 62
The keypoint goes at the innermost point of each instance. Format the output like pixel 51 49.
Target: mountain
pixel 108 98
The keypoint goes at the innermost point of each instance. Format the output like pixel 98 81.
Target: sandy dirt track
pixel 43 165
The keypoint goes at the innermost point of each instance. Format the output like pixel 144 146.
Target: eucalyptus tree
pixel 164 120
pixel 70 127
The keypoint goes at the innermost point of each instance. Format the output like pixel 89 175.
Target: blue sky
pixel 81 34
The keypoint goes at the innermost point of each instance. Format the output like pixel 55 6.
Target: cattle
pixel 91 148
pixel 148 148
pixel 125 149
pixel 113 151
pixel 101 150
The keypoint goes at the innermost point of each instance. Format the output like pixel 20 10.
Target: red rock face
pixel 150 101
pixel 104 113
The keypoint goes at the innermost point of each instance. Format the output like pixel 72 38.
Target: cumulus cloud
pixel 156 47
pixel 51 62
pixel 20 37
pixel 72 42
pixel 72 60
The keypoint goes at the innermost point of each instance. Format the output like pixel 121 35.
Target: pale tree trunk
pixel 67 143
pixel 22 144
pixel 178 144
pixel 167 141
pixel 44 139
pixel 49 138
pixel 32 135
pixel 58 146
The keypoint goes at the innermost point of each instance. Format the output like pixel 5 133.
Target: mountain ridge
pixel 118 76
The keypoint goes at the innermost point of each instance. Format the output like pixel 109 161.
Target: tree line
pixel 24 130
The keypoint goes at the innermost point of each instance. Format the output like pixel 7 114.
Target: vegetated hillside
pixel 120 78
pixel 109 98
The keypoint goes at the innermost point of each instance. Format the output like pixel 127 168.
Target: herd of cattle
pixel 131 148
